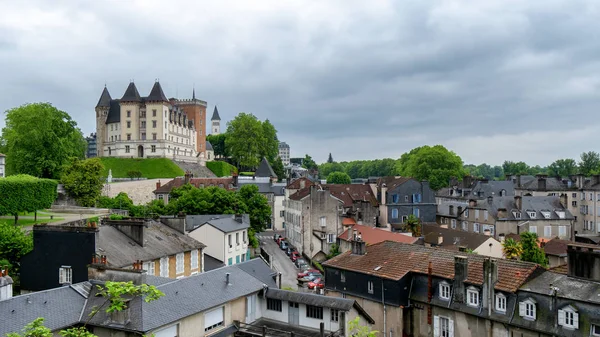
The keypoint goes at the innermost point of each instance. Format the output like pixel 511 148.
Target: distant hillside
pixel 151 168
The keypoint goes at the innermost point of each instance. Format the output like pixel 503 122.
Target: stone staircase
pixel 196 169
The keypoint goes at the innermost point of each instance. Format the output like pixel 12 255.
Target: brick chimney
pixel 541 182
pixel 158 184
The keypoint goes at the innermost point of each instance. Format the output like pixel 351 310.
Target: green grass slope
pixel 151 168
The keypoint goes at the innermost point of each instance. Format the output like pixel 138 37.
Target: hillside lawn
pixel 151 168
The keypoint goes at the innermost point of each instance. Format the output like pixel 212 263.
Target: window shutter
pixel 561 317
pixel 61 275
pixel 522 309
pixel 576 320
pixel 436 326
pixel 534 311
pixel 420 198
pixel 450 328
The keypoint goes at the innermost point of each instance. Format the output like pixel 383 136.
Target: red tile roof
pixel 398 259
pixel 197 182
pixel 299 183
pixel 348 193
pixel 372 235
pixel 348 221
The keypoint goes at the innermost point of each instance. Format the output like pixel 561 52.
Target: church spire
pixel 215 116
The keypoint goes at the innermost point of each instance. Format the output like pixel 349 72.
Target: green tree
pixel 269 145
pixel 512 249
pixel 562 168
pixel 413 225
pixel 244 140
pixel 309 164
pixel 510 167
pixel 82 180
pixel 24 193
pixel 357 330
pixel 330 159
pixel 532 252
pixel 278 168
pixel 432 163
pixel 14 244
pixel 218 144
pixel 338 178
pixel 39 139
pixel 590 163
pixel 328 168
pixel 257 207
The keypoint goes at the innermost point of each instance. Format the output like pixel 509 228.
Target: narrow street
pixel 281 262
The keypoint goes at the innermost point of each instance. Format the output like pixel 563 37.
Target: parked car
pixel 294 256
pixel 312 276
pixel 289 251
pixel 316 283
pixel 281 238
pixel 283 245
pixel 306 272
pixel 276 236
pixel 299 262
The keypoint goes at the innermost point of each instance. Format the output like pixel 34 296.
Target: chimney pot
pixel 227 279
pixel 158 184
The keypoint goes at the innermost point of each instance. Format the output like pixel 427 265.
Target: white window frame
pixel 394 213
pixel 562 230
pixel 213 318
pixel 330 238
pixel 500 303
pixel 164 266
pixel 444 291
pixel 443 326
pixel 453 223
pixel 527 309
pixel 485 215
pixel 472 297
pixel 476 227
pixel 370 287
pixel 323 221
pixel 595 330
pixel 476 214
pixel 179 263
pixel 466 213
pixel 532 214
pixel 568 318
pixel 334 315
pixel 465 226
pixel 533 229
pixel 194 259
pixel 65 275
pixel 149 268
pixel 547 231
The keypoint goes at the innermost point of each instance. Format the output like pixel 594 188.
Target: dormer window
pixel 517 215
pixel 546 214
pixel 444 291
pixel 500 303
pixel 561 214
pixel 531 214
pixel 472 297
pixel 568 317
pixel 527 309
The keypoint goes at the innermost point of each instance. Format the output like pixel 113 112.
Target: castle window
pixel 153 112
pixel 129 136
pixel 144 136
pixel 111 127
pixel 127 148
pixel 143 114
pixel 143 124
pixel 128 113
pixel 154 136
pixel 154 124
pixel 153 148
pixel 128 124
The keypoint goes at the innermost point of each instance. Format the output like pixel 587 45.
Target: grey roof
pixel 224 222
pixel 265 187
pixel 211 263
pixel 215 116
pixel 453 239
pixel 484 189
pixel 114 113
pixel 531 183
pixel 529 204
pixel 259 270
pixel 183 297
pixel 209 146
pixel 131 94
pixel 105 99
pixel 568 287
pixel 157 94
pixel 159 241
pixel 310 299
pixel 443 208
pixel 61 308
pixel 265 169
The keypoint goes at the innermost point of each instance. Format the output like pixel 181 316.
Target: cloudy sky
pixel 492 80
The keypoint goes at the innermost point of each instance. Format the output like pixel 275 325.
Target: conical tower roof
pixel 215 116
pixel 131 94
pixel 157 94
pixel 104 101
pixel 265 169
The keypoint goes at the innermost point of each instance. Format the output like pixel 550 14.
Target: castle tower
pixel 215 122
pixel 195 110
pixel 102 109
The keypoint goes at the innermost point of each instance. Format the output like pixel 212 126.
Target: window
pixel 465 226
pixel 574 203
pixel 531 214
pixel 281 214
pixel 574 195
pixel 547 231
pixel 472 297
pixel 562 230
pixel 229 238
pixel 164 266
pixel 161 197
pixel 466 213
pixel 237 239
pixel 335 315
pixel 213 319
pixel 477 214
pixel 342 277
pixel 476 227
pixel 323 221
pixel 153 124
pixel 485 215
pixel 149 267
pixel 129 124
pixel 533 229
pixel 129 136
pixel 595 330
pixel 453 223
pixel 314 312
pixel 152 148
pixel 65 275
pixel 395 198
pixel 128 113
pixel 330 238
pixel 395 214
pixel 416 198
pixel 244 236
pixel 230 261
pixel 273 304
pixel 444 291
pixel 144 136
pixel 489 228
pixel 127 149
pixel 591 196
pixel 517 215
pixel 179 263
pixel 416 212
pixel 527 309
pixel 194 259
pixel 370 287
pixel 406 198
pixel 153 112
pixel 500 303
pixel 143 124
pixel 443 327
pixel 568 317
pixel 154 136
pixel 237 259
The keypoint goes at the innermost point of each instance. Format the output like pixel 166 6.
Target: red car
pixel 316 283
pixel 279 240
pixel 306 272
pixel 295 255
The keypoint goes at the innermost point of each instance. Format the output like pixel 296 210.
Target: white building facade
pixel 284 153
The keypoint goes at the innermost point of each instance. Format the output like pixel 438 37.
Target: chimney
pixel 490 277
pixel 579 179
pixel 518 180
pixel 302 183
pixel 564 201
pixel 490 199
pixel 541 182
pixel 227 279
pixel 239 218
pixel 487 232
pixel 440 240
pixel 502 213
pixel 187 177
pixel 461 266
pixel 459 210
pixel 359 246
pixel 467 181
pixel 518 202
pixel 501 236
pixel 158 184
pixel 472 203
pixel 451 210
pixel 383 194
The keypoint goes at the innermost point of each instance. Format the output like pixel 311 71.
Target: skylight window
pixel 377 268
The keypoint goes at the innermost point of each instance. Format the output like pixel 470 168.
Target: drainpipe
pixel 384 309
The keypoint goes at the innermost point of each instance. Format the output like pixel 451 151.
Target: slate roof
pixel 114 112
pixel 529 203
pixel 209 146
pixel 131 94
pixel 265 169
pixel 61 307
pixel 452 238
pixel 211 263
pixel 215 116
pixel 260 271
pixel 157 94
pixel 226 223
pixel 197 182
pixel 265 187
pixel 568 287
pixel 531 183
pixel 371 235
pixel 396 260
pixel 392 182
pixel 484 189
pixel 347 193
pixel 104 100
pixel 183 297
pixel 443 208
pixel 159 241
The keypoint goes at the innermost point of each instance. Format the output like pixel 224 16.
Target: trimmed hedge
pixel 221 168
pixel 150 168
pixel 24 193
